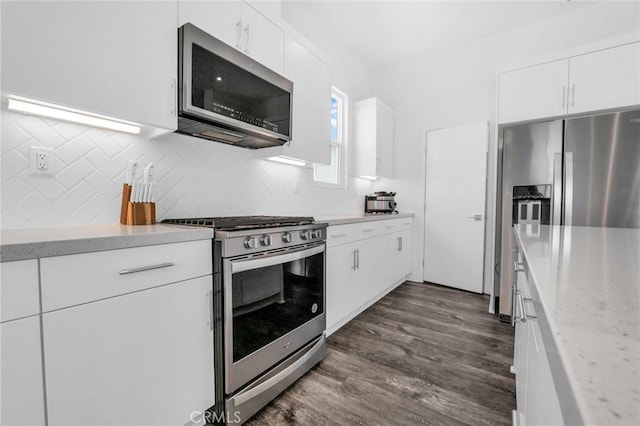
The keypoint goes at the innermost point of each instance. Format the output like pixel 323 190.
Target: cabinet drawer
pixel 80 278
pixel 19 289
pixel 343 234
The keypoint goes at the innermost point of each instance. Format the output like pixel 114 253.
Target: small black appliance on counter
pixel 380 203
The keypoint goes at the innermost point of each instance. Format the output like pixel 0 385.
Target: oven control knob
pixel 287 237
pixel 265 240
pixel 316 233
pixel 305 235
pixel 251 242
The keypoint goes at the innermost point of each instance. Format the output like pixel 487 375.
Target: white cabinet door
pixel 311 104
pixel 221 19
pixel 262 39
pixel 542 406
pixel 520 352
pixel 534 92
pixel 22 386
pixel 113 58
pixel 605 79
pixel 19 290
pixel 384 142
pixel 239 25
pixel 144 358
pixel 373 138
pixel 344 286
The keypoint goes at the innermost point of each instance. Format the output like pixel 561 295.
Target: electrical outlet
pixel 41 160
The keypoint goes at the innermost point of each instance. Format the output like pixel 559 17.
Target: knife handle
pixel 126 195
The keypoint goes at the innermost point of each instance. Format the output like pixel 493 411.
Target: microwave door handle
pixel 276 259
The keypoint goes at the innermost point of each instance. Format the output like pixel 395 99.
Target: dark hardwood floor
pixel 423 355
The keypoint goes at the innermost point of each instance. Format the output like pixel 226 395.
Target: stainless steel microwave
pixel 228 97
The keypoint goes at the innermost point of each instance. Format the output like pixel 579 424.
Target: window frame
pixel 341 144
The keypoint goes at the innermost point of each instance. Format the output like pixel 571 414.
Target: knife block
pixel 136 213
pixel 141 214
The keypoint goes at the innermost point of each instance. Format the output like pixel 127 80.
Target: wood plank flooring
pixel 422 355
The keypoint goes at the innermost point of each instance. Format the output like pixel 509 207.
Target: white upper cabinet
pixel 373 136
pixel 112 58
pixel 594 81
pixel 239 25
pixel 311 78
pixel 605 79
pixel 534 92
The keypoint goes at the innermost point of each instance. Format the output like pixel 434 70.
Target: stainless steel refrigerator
pixel 582 171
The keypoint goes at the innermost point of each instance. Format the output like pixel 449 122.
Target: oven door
pixel 274 305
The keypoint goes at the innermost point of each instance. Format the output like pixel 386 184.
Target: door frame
pixel 486 221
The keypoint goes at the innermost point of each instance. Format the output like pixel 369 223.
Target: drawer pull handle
pixel 338 235
pixel 407 223
pixel 368 230
pixel 390 226
pixel 146 268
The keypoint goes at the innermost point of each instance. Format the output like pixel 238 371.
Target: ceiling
pixel 384 33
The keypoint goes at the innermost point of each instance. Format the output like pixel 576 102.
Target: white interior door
pixel 455 187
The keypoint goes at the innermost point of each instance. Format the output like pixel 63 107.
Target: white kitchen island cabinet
pixel 117 59
pixel 127 335
pixel 594 81
pixel 577 325
pixel 365 261
pixel 239 25
pixel 21 358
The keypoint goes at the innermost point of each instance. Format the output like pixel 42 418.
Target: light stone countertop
pixel 588 282
pixel 23 244
pixel 343 219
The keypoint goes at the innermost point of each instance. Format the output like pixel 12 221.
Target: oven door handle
pixel 274 259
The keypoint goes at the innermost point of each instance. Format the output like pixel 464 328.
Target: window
pixel 335 174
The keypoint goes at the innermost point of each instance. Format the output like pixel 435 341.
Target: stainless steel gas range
pixel 269 307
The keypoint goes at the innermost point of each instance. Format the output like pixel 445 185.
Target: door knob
pixel 476 217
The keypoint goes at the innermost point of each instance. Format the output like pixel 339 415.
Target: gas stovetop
pixel 231 223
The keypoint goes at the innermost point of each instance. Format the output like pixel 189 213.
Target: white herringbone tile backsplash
pixel 195 177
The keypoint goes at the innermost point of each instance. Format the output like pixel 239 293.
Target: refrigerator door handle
pixel 568 187
pixel 556 200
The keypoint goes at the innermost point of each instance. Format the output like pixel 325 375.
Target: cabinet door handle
pixel 173 97
pixel 146 268
pixel 358 259
pixel 514 292
pixel 399 243
pixel 573 95
pixel 354 266
pixel 238 33
pixel 211 317
pixel 518 267
pixel 564 96
pixel 247 38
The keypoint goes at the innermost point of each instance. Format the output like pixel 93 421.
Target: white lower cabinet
pixel 144 358
pixel 536 396
pixel 22 390
pixel 364 262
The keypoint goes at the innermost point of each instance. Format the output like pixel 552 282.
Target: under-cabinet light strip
pixel 287 160
pixel 58 112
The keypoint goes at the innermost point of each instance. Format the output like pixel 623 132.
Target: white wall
pixel 195 177
pixel 458 86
